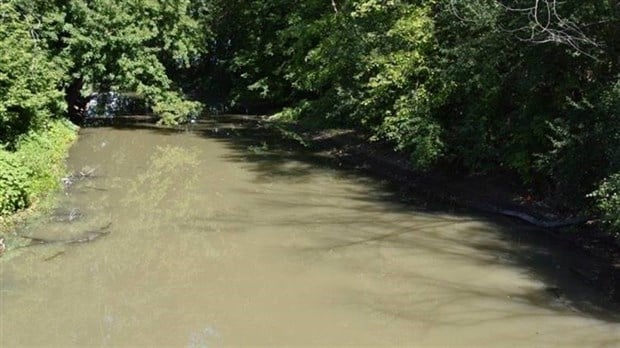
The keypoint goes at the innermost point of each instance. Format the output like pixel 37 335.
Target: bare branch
pixel 546 25
pixel 335 6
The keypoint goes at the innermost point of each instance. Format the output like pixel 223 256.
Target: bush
pixel 14 184
pixel 173 109
pixel 35 167
pixel 42 153
pixel 607 198
pixel 414 130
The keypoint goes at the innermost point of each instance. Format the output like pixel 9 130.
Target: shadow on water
pixel 566 273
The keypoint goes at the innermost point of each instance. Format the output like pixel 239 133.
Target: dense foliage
pixel 526 88
pixel 13 184
pixel 608 201
pixel 126 46
pixel 29 93
pixel 33 169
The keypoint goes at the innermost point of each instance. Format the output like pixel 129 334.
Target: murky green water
pixel 214 240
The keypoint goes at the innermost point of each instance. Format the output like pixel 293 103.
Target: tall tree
pixel 124 46
pixel 28 78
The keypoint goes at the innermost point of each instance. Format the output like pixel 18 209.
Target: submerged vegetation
pixel 526 89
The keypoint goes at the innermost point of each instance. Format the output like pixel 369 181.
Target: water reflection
pixel 154 192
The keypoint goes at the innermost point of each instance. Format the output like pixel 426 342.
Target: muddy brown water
pixel 218 239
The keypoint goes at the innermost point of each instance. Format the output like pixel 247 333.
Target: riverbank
pixel 30 173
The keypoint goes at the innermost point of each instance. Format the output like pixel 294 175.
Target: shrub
pixel 607 198
pixel 42 154
pixel 414 130
pixel 14 184
pixel 35 167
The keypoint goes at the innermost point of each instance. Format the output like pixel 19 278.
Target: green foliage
pixel 28 79
pixel 33 144
pixel 412 128
pixel 402 88
pixel 533 109
pixel 42 153
pixel 607 197
pixel 369 65
pixel 14 180
pixel 173 109
pixel 290 114
pixel 122 46
pixel 34 168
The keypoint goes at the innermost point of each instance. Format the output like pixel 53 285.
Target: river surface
pixel 213 238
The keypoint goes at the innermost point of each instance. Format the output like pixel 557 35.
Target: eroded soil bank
pixel 220 235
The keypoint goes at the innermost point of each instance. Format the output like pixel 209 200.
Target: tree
pixel 28 78
pixel 124 46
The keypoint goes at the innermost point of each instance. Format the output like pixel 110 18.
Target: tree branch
pixel 545 23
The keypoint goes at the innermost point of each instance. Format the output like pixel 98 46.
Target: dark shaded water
pixel 217 239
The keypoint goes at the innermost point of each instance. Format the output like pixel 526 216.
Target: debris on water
pixel 67 181
pixel 86 172
pixel 74 214
pixel 85 237
pixel 2 246
pixel 62 215
pixel 49 258
pixel 201 339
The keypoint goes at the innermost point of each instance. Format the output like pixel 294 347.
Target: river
pixel 212 237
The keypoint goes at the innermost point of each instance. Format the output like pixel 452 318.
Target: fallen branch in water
pixel 84 173
pixel 69 217
pixel 87 237
pixel 540 222
pixel 49 258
